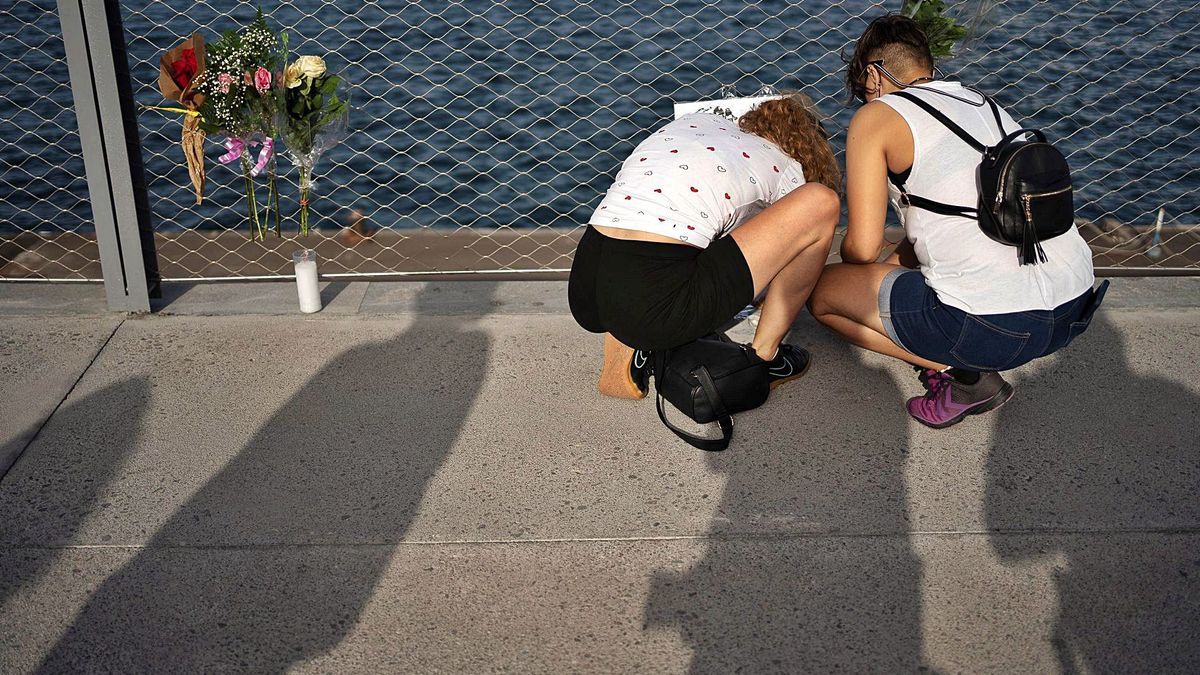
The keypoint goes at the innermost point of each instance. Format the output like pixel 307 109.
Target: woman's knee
pixel 820 215
pixel 825 203
pixel 842 290
pixel 819 304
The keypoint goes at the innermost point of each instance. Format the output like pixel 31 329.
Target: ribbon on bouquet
pixel 237 147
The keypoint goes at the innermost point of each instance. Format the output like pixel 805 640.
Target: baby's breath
pixel 233 105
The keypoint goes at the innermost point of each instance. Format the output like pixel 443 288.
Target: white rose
pixel 291 77
pixel 310 67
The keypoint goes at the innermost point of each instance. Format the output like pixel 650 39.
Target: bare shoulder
pixel 875 116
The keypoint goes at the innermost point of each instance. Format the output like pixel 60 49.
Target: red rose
pixel 183 70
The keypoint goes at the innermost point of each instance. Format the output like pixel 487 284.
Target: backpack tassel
pixel 1031 252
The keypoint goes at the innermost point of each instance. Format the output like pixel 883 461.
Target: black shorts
pixel 652 295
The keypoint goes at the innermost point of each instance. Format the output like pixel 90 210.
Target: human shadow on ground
pixel 45 499
pixel 272 562
pixel 825 455
pixel 1120 492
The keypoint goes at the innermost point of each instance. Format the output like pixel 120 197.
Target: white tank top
pixel 964 267
pixel 696 179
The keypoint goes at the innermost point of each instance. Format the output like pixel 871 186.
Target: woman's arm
pixel 866 181
pixel 879 138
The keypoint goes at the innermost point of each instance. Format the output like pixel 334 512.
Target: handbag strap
pixel 724 420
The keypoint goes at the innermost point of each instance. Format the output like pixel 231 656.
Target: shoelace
pixel 936 383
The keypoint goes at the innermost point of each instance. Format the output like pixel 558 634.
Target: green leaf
pixel 941 31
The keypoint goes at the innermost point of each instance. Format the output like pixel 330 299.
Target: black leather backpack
pixel 1025 194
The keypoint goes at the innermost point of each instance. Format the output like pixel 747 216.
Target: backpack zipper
pixel 1027 200
pixel 1004 176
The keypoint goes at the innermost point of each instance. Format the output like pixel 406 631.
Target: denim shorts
pixel 916 320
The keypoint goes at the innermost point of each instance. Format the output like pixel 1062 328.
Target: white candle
pixel 306 280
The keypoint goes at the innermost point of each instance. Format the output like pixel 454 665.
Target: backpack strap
pixel 936 207
pixel 946 122
pixel 940 208
pixel 996 112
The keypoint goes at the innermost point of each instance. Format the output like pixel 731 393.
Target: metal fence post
pixel 96 61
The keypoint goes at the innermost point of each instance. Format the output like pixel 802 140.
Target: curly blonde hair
pixel 794 124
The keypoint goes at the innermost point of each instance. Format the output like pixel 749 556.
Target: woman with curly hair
pixel 704 216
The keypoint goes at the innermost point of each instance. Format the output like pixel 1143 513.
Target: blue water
pixel 517 114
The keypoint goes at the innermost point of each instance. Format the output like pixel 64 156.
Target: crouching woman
pixel 955 304
pixel 705 215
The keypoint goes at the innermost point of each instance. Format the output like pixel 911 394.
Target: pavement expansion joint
pixel 100 350
pixel 724 536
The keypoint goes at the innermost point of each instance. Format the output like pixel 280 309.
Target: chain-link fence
pixel 484 133
pixel 45 224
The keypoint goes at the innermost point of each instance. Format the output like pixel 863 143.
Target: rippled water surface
pixel 518 113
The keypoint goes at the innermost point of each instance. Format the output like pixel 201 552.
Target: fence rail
pixel 484 133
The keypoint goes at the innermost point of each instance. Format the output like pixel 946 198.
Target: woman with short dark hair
pixel 953 302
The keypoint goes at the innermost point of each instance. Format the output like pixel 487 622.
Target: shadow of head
pixel 47 498
pixel 825 455
pixel 273 560
pixel 1100 456
pixel 1091 441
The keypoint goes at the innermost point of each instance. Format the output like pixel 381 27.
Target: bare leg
pixel 847 300
pixel 786 296
pixel 786 246
pixel 615 380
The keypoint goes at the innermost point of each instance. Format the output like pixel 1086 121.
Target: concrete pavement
pixel 421 478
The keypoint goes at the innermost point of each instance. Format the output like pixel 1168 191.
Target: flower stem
pixel 251 201
pixel 304 187
pixel 273 200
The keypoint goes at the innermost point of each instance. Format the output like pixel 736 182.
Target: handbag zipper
pixel 1027 200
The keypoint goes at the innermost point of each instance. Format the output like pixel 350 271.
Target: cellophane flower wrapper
pixel 314 118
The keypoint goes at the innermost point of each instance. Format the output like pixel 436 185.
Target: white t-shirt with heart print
pixel 696 179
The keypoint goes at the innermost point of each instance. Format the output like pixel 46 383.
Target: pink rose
pixel 262 80
pixel 224 80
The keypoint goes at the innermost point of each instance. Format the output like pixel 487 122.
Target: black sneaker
pixel 789 363
pixel 639 370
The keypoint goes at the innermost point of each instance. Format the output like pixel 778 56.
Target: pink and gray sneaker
pixel 948 401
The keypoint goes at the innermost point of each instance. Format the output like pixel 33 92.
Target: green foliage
pixel 942 31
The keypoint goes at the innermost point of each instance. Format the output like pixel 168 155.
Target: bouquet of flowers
pixel 180 71
pixel 243 87
pixel 312 119
pixel 241 102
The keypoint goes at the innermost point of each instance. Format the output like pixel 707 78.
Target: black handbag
pixel 1025 191
pixel 709 380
